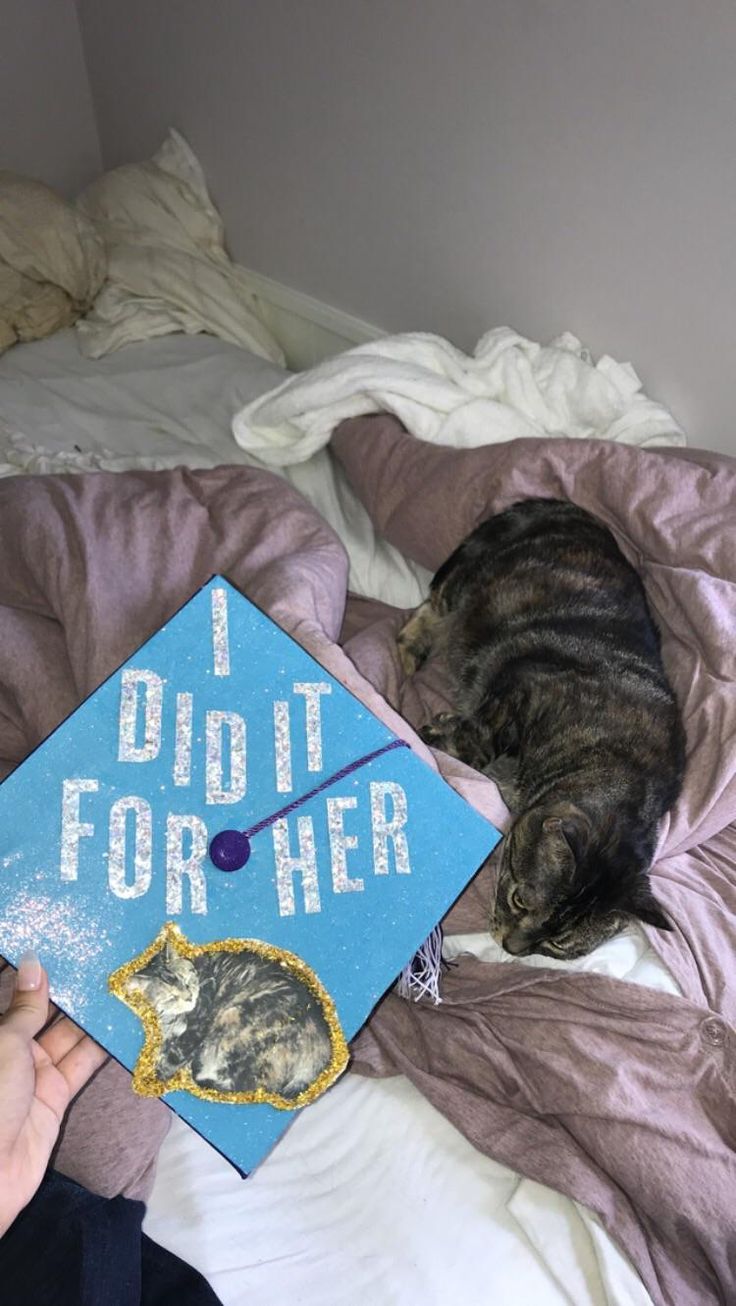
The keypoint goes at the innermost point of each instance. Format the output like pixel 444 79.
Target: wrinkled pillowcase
pixel 52 261
pixel 168 269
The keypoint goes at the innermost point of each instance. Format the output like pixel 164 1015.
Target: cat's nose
pixel 516 943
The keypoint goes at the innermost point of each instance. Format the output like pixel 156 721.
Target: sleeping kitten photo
pixel 560 695
pixel 238 1022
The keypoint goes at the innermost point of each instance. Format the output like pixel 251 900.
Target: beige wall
pixel 47 123
pixel 456 164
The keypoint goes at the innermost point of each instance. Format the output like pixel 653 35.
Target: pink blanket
pixel 618 1096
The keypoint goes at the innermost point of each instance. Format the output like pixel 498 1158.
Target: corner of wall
pixel 94 118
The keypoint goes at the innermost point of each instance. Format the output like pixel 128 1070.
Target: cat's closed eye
pixel 517 902
pixel 554 946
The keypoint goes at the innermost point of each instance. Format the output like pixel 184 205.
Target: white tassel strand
pixel 421 978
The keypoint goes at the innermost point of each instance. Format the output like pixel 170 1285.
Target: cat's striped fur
pixel 555 671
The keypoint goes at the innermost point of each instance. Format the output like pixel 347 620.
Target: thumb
pixel 29 1007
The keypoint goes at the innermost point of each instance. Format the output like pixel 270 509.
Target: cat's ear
pixel 644 907
pixel 574 828
pixel 170 953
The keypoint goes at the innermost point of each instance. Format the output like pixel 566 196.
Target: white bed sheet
pixel 166 398
pixel 166 402
pixel 372 1197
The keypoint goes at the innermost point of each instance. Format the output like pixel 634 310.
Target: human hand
pixel 38 1079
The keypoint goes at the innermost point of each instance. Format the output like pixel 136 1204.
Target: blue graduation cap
pixel 224 860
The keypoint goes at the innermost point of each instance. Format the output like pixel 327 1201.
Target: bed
pixel 372 1196
pixel 377 1193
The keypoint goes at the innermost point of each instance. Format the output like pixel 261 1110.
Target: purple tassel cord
pixel 421 978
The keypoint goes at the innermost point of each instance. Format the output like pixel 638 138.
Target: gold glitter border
pixel 145 1078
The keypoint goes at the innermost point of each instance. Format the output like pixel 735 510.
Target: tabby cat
pixel 237 1021
pixel 557 679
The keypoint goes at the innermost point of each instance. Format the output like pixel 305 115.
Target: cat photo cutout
pixel 237 1020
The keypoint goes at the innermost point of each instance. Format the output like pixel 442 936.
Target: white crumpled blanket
pixel 509 388
pixel 167 265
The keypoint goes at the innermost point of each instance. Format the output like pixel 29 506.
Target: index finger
pixel 80 1061
pixel 60 1038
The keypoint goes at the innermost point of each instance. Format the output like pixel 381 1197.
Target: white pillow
pixel 167 266
pixel 52 262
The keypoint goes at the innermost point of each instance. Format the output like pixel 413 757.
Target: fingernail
pixel 29 973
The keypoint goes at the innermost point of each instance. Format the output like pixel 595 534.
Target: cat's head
pixel 564 888
pixel 169 982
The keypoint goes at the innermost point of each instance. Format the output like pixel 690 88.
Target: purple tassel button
pixel 230 850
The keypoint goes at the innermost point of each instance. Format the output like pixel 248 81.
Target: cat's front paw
pixel 410 657
pixel 504 770
pixel 438 731
pixel 414 640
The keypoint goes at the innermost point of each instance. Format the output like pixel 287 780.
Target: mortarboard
pixel 225 859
